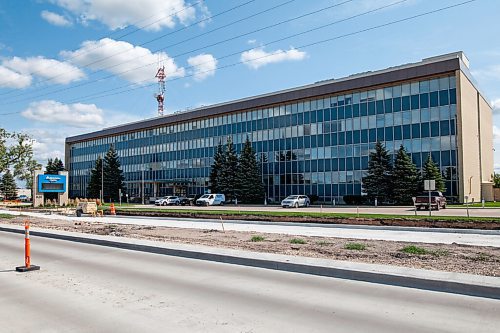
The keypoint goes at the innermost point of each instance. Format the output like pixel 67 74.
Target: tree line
pixel 237 177
pixel 398 182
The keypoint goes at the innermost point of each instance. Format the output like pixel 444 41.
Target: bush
pixel 297 241
pixel 257 239
pixel 313 198
pixel 355 246
pixel 355 200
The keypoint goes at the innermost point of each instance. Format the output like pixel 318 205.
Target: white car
pixel 171 200
pixel 296 201
pixel 211 200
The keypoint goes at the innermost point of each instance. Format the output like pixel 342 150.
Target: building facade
pixel 314 139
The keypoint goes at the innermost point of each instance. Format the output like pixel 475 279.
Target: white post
pixel 467 204
pixel 430 206
pixel 376 202
pixel 482 202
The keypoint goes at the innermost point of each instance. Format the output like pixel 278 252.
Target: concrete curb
pixel 486 287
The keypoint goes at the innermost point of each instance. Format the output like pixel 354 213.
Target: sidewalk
pixel 459 283
pixel 419 235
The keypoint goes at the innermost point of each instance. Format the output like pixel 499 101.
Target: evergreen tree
pixel 431 171
pixel 114 180
pixel 94 186
pixel 216 169
pixel 405 178
pixel 228 180
pixel 8 186
pixel 249 186
pixel 54 166
pixel 377 184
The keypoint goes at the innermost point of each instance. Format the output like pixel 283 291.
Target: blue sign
pixel 52 183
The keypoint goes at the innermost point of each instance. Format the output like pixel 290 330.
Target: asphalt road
pixel 87 288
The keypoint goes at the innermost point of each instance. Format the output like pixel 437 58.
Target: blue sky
pixel 74 66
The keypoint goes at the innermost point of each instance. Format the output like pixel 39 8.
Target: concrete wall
pixel 474 141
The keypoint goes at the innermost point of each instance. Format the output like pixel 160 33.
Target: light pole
pixel 102 180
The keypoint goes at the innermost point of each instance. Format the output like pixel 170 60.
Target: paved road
pixel 422 235
pixel 477 212
pixel 87 288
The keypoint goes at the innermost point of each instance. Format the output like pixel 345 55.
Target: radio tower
pixel 160 97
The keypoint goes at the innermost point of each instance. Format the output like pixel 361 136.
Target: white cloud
pixel 496 134
pixel 118 14
pixel 496 105
pixel 256 58
pixel 12 79
pixel 203 65
pixel 55 19
pixel 133 63
pixel 75 115
pixel 55 70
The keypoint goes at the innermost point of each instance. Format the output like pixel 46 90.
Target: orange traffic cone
pixel 112 209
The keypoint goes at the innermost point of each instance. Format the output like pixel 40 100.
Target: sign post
pixel 27 252
pixel 415 204
pixel 430 185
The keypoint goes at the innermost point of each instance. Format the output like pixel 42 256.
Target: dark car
pixel 189 200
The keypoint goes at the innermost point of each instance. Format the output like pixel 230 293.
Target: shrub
pixel 355 246
pixel 297 241
pixel 257 239
pixel 313 198
pixel 355 200
pixel 412 249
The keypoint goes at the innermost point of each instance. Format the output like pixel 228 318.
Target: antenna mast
pixel 160 97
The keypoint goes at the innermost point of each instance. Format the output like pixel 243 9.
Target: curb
pixel 484 290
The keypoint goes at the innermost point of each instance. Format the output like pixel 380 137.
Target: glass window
pixel 396 91
pixel 398 119
pixel 388 92
pixel 426 145
pixel 379 94
pixel 406 117
pixel 380 120
pixel 405 91
pixel 434 114
pixel 415 116
pixel 388 119
pixel 424 86
pixel 372 121
pixel 434 85
pixel 356 98
pixel 416 146
pixel 415 88
pixel 445 143
pixel 453 82
pixel 444 83
pixel 435 146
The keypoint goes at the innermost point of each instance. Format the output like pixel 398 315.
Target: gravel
pixel 479 260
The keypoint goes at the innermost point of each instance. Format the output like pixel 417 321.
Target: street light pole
pixel 102 181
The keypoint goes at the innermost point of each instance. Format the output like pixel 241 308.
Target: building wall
pixel 317 146
pixel 475 140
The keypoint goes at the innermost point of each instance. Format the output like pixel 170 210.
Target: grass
pixel 488 204
pixel 412 249
pixel 257 239
pixel 6 216
pixel 306 214
pixel 297 241
pixel 322 243
pixel 355 246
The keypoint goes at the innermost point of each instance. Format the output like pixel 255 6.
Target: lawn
pixel 196 211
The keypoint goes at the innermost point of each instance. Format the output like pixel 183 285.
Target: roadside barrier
pixel 27 251
pixel 112 209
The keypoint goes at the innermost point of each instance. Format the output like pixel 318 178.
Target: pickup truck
pixel 438 200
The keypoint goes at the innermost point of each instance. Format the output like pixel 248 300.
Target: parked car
pixel 211 200
pixel 189 200
pixel 23 197
pixel 438 200
pixel 170 200
pixel 296 201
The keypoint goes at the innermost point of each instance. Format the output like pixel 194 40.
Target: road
pixel 88 288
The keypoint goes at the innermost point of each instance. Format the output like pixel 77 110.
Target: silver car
pixel 296 201
pixel 171 200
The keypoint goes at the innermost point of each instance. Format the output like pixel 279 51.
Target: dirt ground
pixel 454 258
